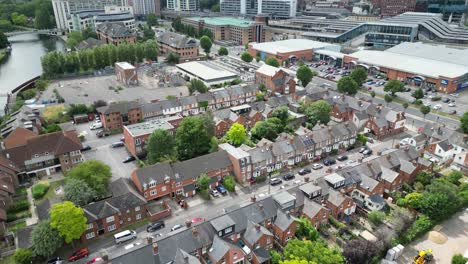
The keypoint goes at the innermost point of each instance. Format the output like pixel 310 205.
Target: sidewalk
pixel 33 219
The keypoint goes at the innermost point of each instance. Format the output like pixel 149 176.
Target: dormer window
pixel 46 153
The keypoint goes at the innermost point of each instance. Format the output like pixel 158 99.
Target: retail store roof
pixel 205 71
pixel 290 45
pixel 221 21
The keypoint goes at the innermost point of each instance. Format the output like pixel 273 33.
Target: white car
pixel 454 95
pixel 405 141
pixel 437 107
pixel 452 105
pixel 317 166
pixel 427 104
pixel 178 226
pixel 96 125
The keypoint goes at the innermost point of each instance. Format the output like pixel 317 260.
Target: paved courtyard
pixel 455 230
pixel 107 88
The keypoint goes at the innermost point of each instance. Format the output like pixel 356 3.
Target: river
pixel 24 61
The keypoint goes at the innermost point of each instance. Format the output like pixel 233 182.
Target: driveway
pixel 456 231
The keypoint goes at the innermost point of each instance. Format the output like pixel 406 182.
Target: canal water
pixel 24 62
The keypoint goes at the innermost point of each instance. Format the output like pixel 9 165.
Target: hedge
pixel 335 222
pixel 18 206
pixel 40 189
pixel 422 225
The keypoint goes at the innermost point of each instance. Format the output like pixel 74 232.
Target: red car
pixel 79 254
pixel 197 220
pixel 96 260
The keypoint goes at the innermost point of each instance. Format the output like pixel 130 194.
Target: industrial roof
pixel 148 127
pixel 223 21
pixel 331 53
pixel 290 45
pixel 411 64
pixel 205 71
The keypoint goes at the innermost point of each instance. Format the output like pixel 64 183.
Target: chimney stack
pixel 155 248
pixel 149 240
pixel 188 223
pixel 253 199
pixel 195 231
pixel 257 227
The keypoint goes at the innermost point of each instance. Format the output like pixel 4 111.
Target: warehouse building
pixel 419 64
pixel 207 72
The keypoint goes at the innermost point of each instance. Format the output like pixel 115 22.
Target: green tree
pixel 28 94
pixel 305 75
pixel 388 98
pixel 69 220
pixel 95 173
pixel 148 33
pixel 275 256
pixel 282 113
pixel 246 57
pixel 318 111
pixel 347 85
pixel 425 110
pixel 360 251
pixel 88 33
pixel 205 43
pixel 372 94
pixel 51 128
pixel 44 15
pixel 296 261
pixel 192 140
pixel 78 192
pixel 45 239
pixel 306 230
pixel 151 20
pixel 208 123
pixel 359 75
pixel 23 256
pixel 151 50
pixel 3 40
pixel 237 134
pixel 418 94
pixel 203 182
pixel 215 8
pixel 454 177
pixel 272 62
pixel 405 105
pixel 160 146
pixel 268 129
pixel 222 51
pixel 173 58
pixel 197 85
pixel 19 19
pixel 459 259
pixel 229 183
pixel 394 86
pixel 317 252
pixel 376 217
pixel 464 122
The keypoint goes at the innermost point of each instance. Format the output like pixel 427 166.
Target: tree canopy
pixel 78 192
pixel 3 40
pixel 268 129
pixel 307 250
pixel 306 230
pixel 418 94
pixel 172 57
pixel 394 86
pixel 151 20
pixel 246 57
pixel 197 85
pixel 464 122
pixel 205 43
pixel 305 75
pixel 360 251
pixel 222 51
pixel 425 110
pixel 192 139
pixel 23 256
pixel 318 111
pixel 237 134
pixel 45 239
pixel 160 146
pixel 69 220
pixel 203 182
pixel 272 62
pixel 347 85
pixel 282 113
pixel 95 173
pixel 388 98
pixel 359 75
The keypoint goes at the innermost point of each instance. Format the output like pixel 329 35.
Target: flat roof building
pixel 206 72
pixel 290 49
pixel 271 8
pixel 419 64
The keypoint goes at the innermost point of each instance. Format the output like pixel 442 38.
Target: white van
pixel 95 126
pixel 124 236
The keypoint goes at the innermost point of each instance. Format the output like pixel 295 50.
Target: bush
pixel 23 256
pixel 418 102
pixel 436 98
pixel 18 206
pixel 418 228
pixel 261 178
pixel 205 194
pixel 230 183
pixel 40 189
pixel 376 217
pixel 334 222
pixel 459 259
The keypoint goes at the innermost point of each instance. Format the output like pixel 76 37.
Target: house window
pixel 228 230
pixel 110 219
pixel 152 184
pixel 129 219
pixel 163 189
pixel 138 216
pixel 90 226
pixel 111 228
pixel 137 141
pixel 90 235
pixel 153 192
pixel 137 208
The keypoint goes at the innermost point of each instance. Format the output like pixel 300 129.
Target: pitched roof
pixel 18 137
pixel 254 232
pixel 121 108
pixel 283 220
pixel 115 30
pixel 177 40
pixel 335 198
pixel 220 247
pixel 183 257
pixel 222 222
pixel 311 208
pixel 262 254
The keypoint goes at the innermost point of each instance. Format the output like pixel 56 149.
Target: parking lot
pixel 102 150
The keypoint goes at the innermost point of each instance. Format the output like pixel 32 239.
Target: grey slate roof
pixel 183 257
pixel 283 220
pixel 177 40
pixel 44 206
pixel 335 198
pixel 254 232
pixel 309 188
pixel 115 30
pixel 375 198
pixel 220 248
pixel 311 208
pixel 24 237
pixel 121 108
pixel 262 254
pixel 444 145
pixel 222 222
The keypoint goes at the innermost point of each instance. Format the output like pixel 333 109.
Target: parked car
pixel 197 220
pixel 317 166
pixel 329 162
pixel 102 133
pixel 446 100
pixel 316 158
pixel 96 125
pixel 155 226
pixel 178 226
pixel 452 105
pixel 361 150
pixel 437 107
pixel 454 95
pixel 96 260
pixel 221 189
pixel 452 112
pixel 214 192
pixel 129 159
pixel 367 152
pixel 86 148
pixel 288 176
pixel 342 157
pixel 117 144
pixel 275 181
pixel 125 236
pixel 79 254
pixel 56 260
pixel 304 171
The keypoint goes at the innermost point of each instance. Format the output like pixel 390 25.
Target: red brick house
pixel 284 227
pixel 186 48
pixel 115 33
pixel 257 235
pixel 315 212
pixel 225 252
pixel 276 80
pixel 385 122
pixel 341 206
pixel 125 207
pixel 180 178
pixel 115 116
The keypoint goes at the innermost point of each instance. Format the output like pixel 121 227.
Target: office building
pixel 80 20
pixel 453 11
pixel 64 8
pixel 185 47
pixel 272 8
pixel 146 7
pixel 183 5
pixel 395 7
pixel 230 29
